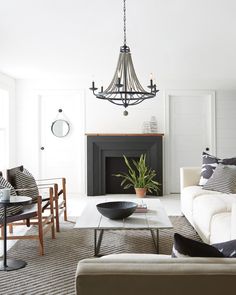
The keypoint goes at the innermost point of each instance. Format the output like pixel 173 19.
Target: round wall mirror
pixel 60 128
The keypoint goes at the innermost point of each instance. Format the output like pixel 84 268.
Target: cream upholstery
pixel 209 212
pixel 144 274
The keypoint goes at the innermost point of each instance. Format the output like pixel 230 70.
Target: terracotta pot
pixel 140 192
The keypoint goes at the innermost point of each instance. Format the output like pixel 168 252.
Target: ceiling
pixel 193 39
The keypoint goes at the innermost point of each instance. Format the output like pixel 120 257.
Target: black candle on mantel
pixel 102 89
pixel 93 84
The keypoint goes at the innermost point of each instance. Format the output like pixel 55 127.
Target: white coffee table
pixel 155 219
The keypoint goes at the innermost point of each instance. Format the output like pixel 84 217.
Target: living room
pixel 69 115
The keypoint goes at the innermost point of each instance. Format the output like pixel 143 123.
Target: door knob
pixel 207 149
pixel 42 148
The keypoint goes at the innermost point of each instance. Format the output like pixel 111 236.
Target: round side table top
pixel 16 200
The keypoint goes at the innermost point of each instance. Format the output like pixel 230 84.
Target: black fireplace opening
pixel 116 165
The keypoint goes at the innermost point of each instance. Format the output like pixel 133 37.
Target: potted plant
pixel 139 176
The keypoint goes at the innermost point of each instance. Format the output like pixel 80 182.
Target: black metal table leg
pixel 97 241
pixel 8 264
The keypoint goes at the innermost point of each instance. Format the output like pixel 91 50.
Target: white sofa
pixel 151 274
pixel 212 214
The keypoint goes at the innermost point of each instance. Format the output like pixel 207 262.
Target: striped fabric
pixel 209 164
pixel 10 210
pixel 54 273
pixel 223 180
pixel 25 180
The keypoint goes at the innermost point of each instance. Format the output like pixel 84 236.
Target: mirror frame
pixel 68 130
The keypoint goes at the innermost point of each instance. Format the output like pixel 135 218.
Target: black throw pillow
pixel 228 249
pixel 185 247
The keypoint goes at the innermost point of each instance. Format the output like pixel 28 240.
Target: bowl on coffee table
pixel 117 209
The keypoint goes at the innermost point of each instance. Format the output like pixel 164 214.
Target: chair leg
pixel 56 207
pixel 52 213
pixel 64 197
pixel 10 228
pixel 40 226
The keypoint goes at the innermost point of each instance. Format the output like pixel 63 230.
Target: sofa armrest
pixel 189 176
pixel 233 221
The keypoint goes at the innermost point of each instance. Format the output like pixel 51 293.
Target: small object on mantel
pixel 153 124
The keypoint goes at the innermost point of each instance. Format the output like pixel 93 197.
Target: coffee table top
pixel 155 218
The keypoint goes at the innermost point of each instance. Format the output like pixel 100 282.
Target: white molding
pixel 212 121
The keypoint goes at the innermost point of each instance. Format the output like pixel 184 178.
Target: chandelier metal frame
pixel 125 88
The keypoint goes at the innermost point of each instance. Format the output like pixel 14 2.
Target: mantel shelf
pixel 124 134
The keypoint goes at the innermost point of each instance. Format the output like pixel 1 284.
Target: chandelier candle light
pixel 125 88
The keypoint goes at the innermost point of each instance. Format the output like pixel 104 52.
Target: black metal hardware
pixel 125 89
pixel 42 148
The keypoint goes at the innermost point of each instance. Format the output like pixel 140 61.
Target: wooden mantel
pixel 124 134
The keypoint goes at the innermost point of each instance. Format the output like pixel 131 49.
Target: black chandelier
pixel 125 88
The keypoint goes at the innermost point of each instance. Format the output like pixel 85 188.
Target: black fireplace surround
pixel 105 157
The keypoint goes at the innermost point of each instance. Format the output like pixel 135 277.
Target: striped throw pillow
pixel 13 210
pixel 24 180
pixel 223 180
pixel 209 164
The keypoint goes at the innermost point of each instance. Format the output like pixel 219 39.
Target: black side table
pixel 11 264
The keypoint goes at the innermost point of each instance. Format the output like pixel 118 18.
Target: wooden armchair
pixel 59 192
pixel 34 215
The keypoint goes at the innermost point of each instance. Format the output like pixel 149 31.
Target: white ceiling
pixel 193 39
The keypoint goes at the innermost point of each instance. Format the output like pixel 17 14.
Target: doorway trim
pixel 212 120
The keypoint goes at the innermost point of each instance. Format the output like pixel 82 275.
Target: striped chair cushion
pixel 223 180
pixel 25 180
pixel 13 210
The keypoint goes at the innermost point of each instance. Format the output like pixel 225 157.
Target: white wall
pixel 226 123
pixel 104 117
pixel 7 83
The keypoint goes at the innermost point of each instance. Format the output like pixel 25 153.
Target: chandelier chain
pixel 124 22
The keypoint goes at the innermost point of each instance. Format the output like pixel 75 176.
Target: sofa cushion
pixel 209 163
pixel 134 257
pixel 228 248
pixel 222 180
pixel 204 208
pixel 188 194
pixel 220 230
pixel 187 247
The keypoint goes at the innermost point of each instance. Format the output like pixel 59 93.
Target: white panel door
pixel 63 156
pixel 191 131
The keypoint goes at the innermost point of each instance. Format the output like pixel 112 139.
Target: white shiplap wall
pixel 226 123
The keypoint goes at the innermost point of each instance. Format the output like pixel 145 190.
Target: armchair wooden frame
pixel 34 215
pixel 60 205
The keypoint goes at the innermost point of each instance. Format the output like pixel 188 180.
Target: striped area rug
pixel 54 273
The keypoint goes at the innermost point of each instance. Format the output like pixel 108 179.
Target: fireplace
pixel 105 158
pixel 116 165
